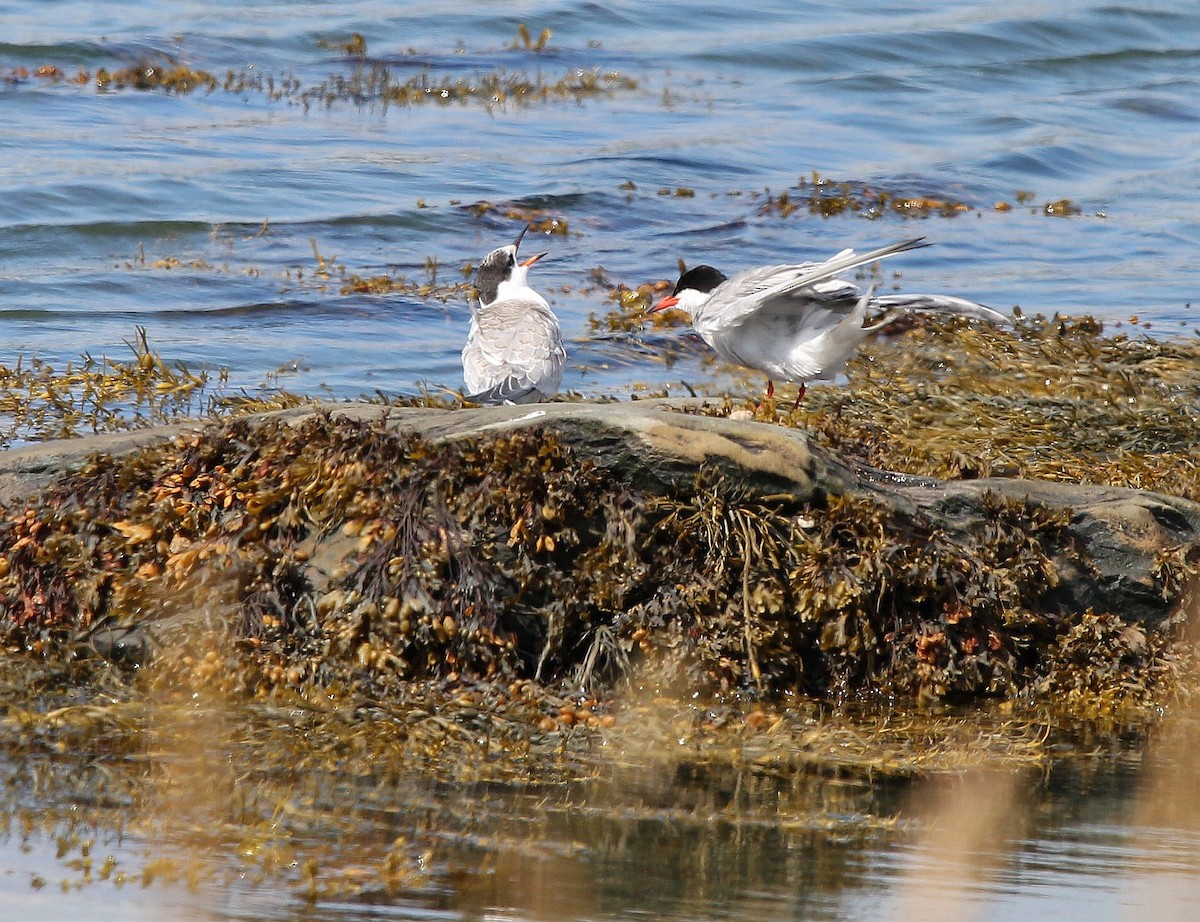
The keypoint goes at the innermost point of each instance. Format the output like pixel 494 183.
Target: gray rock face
pixel 1118 535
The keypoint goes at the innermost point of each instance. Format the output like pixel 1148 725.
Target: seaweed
pixel 367 81
pixel 39 401
pixel 1058 399
pixel 362 558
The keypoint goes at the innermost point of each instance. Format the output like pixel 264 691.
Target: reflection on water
pixel 178 798
pixel 177 817
pixel 969 823
pixel 1165 883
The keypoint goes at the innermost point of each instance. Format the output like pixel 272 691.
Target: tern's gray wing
pixel 747 293
pixel 514 353
pixel 792 316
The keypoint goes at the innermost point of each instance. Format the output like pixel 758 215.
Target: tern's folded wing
pixel 513 356
pixel 510 390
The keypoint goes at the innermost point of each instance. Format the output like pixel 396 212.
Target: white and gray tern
pixel 800 322
pixel 514 351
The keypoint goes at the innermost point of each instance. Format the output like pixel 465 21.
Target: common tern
pixel 799 322
pixel 514 351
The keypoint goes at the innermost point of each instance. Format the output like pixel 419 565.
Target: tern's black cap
pixel 702 278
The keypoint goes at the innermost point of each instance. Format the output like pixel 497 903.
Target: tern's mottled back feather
pixel 514 351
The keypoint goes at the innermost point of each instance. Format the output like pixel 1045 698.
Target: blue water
pixel 1091 102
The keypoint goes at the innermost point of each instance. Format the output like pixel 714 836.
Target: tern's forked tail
pixel 945 304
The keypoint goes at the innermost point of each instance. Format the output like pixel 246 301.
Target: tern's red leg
pixel 799 396
pixel 770 394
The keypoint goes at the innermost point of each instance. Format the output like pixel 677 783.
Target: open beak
pixel 669 301
pixel 532 259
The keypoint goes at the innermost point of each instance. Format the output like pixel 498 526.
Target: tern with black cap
pixel 800 322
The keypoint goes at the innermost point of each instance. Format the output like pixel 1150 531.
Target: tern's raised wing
pixel 772 287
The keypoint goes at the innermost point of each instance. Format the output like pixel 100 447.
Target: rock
pixel 1119 536
pixel 27 468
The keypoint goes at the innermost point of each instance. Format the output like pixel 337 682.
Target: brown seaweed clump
pixel 366 81
pixel 438 555
pixel 853 596
pixel 340 554
pixel 1058 399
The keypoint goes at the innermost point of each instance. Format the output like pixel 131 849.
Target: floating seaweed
pixel 539 220
pixel 525 42
pixel 819 195
pixel 367 82
pixel 825 197
pixel 39 401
